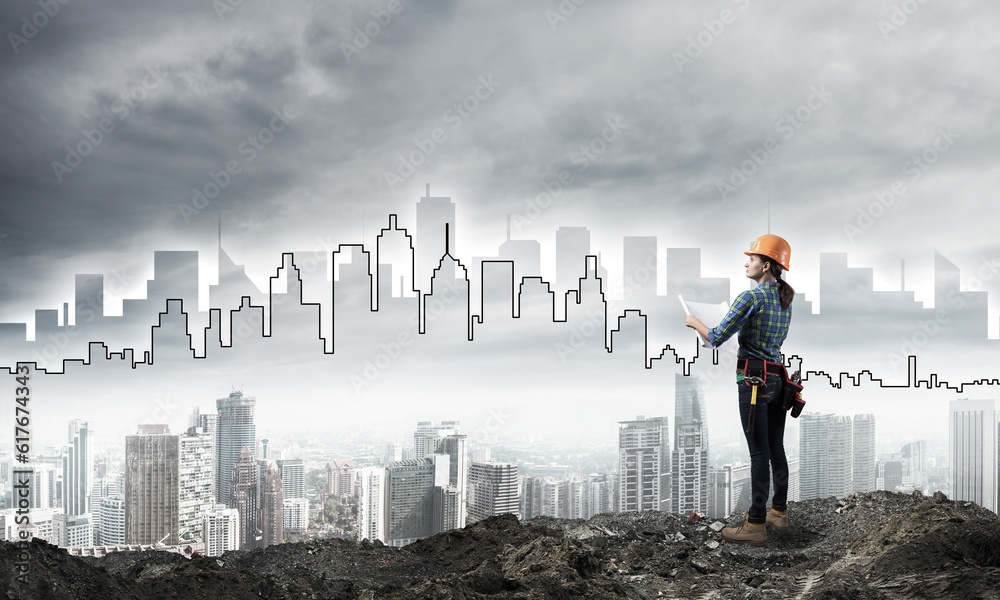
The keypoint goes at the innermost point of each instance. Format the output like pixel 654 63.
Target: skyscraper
pixel 914 456
pixel 222 530
pixel 689 461
pixel 458 476
pixel 340 478
pixel 78 469
pixel 168 485
pixel 813 455
pixel 412 502
pixel 293 478
pixel 242 496
pixel 234 429
pixel 492 490
pixel 152 494
pixel 889 471
pixel 864 453
pixel 112 524
pixel 972 444
pixel 840 465
pixel 643 471
pixel 371 504
pixel 689 470
pixel 196 481
pixel 428 437
pixel 271 508
pixel 443 438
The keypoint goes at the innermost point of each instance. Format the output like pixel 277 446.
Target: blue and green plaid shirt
pixel 762 323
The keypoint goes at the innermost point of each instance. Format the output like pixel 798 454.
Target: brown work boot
pixel 778 520
pixel 746 533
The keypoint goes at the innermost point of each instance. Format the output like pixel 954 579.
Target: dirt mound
pixel 876 545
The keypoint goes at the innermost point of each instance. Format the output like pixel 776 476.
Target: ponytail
pixel 785 292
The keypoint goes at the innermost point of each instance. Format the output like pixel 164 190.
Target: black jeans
pixel 766 442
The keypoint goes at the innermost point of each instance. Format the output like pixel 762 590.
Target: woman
pixel 761 316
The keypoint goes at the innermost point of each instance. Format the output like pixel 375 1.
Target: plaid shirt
pixel 762 323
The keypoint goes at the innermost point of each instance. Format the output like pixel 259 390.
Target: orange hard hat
pixel 774 247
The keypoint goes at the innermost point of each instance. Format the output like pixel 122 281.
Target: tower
pixel 643 473
pixel 234 429
pixel 972 445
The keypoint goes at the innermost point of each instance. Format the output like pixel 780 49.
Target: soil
pixel 877 545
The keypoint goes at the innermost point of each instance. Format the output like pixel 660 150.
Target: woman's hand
pixel 692 322
pixel 696 324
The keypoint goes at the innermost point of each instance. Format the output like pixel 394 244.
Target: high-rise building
pixel 914 457
pixel 728 490
pixel 222 530
pixel 234 429
pixel 196 479
pixel 813 455
pixel 889 472
pixel 454 446
pixel 689 404
pixel 429 436
pixel 264 450
pixel 152 493
pixel 371 504
pixel 243 496
pixel 545 497
pixel 72 531
pixel 393 452
pixel 864 453
pixel 972 444
pixel 293 477
pixel 112 524
pixel 295 515
pixel 793 480
pixel 411 500
pixel 78 469
pixel 492 490
pixel 168 485
pixel 689 470
pixel 340 478
pixel 840 462
pixel 443 438
pixel 643 470
pixel 41 484
pixel 272 507
pixel 207 422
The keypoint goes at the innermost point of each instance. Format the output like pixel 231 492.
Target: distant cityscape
pixel 218 487
pixel 325 299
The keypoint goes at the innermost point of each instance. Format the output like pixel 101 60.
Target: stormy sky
pixel 869 127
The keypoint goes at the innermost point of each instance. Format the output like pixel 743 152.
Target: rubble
pixel 874 545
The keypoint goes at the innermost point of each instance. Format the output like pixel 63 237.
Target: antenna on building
pixel 447 248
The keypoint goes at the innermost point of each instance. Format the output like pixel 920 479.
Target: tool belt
pixel 791 391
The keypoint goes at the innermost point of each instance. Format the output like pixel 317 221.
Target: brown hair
pixel 785 291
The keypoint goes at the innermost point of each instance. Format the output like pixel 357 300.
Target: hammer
pixel 753 381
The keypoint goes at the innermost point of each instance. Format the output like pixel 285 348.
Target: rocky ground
pixel 876 545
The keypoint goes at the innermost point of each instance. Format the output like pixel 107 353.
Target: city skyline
pixel 294 307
